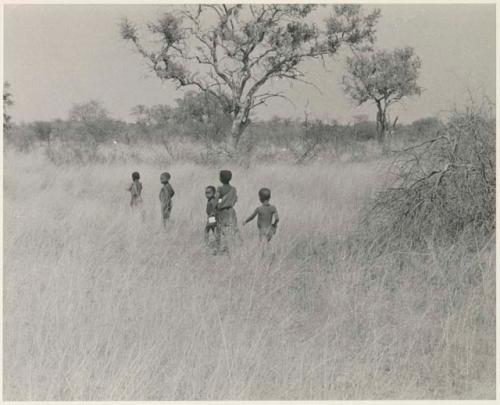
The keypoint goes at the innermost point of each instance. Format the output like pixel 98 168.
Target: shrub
pixel 445 186
pixel 424 127
pixel 364 131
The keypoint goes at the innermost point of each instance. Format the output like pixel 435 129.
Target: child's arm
pixel 133 190
pixel 228 200
pixel 211 207
pixel 171 190
pixel 276 217
pixel 220 198
pixel 251 217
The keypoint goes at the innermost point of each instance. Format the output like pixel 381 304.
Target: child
pixel 135 190
pixel 166 194
pixel 265 214
pixel 227 225
pixel 211 212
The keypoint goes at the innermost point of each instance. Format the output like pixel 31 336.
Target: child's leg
pixel 263 232
pixel 207 233
pixel 271 233
pixel 222 242
pixel 217 237
pixel 165 214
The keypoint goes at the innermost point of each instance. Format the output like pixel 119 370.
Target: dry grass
pixel 100 306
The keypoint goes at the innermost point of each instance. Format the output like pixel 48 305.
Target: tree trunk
pixel 238 127
pixel 381 124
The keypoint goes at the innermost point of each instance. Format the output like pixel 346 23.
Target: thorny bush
pixel 444 188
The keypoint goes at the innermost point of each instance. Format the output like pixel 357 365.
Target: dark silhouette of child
pixel 166 195
pixel 211 225
pixel 135 190
pixel 227 223
pixel 265 214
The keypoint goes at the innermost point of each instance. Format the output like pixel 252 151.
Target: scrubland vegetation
pixel 380 282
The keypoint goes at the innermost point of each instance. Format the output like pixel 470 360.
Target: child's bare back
pixel 265 215
pixel 135 190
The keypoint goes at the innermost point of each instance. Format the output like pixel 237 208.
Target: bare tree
pixel 233 51
pixel 315 134
pixel 384 77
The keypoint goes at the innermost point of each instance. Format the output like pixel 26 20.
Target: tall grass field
pixel 102 303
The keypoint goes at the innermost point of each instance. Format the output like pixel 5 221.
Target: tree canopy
pixel 233 51
pixel 93 120
pixel 384 77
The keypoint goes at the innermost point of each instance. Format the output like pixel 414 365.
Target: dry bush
pixel 444 187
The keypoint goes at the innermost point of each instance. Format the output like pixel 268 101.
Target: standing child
pixel 227 224
pixel 211 225
pixel 166 194
pixel 265 214
pixel 135 190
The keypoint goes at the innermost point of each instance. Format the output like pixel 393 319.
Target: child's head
pixel 164 177
pixel 225 176
pixel 136 176
pixel 209 192
pixel 264 194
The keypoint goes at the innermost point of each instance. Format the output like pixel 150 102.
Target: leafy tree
pixel 233 52
pixel 200 115
pixel 43 131
pixel 93 120
pixel 384 77
pixel 161 115
pixel 157 116
pixel 142 117
pixel 7 102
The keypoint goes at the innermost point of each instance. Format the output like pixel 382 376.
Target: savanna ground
pixel 99 305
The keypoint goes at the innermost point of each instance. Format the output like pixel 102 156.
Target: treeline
pixel 198 119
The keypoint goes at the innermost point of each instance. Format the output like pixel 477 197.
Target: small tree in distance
pixel 201 116
pixel 384 77
pixel 233 51
pixel 93 120
pixel 7 102
pixel 43 131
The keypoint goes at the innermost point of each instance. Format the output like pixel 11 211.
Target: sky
pixel 58 55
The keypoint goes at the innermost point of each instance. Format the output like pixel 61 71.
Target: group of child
pixel 221 215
